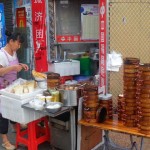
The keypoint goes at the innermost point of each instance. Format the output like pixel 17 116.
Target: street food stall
pixel 27 101
pixel 68 44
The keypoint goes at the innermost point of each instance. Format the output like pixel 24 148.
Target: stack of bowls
pixel 143 98
pixel 90 103
pixel 106 101
pixel 131 66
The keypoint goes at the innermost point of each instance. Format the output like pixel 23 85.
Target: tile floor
pixel 12 138
pixel 114 136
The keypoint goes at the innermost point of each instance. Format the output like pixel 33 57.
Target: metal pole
pixel 107 41
pixel 48 30
pixel 73 129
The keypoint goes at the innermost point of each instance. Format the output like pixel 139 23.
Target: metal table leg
pixel 73 129
pixel 141 143
pixel 108 142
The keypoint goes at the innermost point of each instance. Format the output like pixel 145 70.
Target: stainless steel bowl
pixel 53 107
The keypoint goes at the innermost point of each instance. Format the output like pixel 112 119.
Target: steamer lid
pixel 105 96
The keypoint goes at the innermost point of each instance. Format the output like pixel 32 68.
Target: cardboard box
pixel 90 137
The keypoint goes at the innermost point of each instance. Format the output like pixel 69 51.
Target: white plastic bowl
pixel 53 107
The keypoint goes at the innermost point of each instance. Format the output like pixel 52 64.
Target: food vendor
pixel 9 66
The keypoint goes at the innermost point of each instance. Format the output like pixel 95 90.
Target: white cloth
pixel 3 58
pixel 114 61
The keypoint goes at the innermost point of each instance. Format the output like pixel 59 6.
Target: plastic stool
pixel 63 79
pixel 37 132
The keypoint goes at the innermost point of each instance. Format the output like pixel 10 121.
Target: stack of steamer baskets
pixel 90 103
pixel 53 80
pixel 143 98
pixel 131 66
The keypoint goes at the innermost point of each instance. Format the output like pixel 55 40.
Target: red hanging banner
pixel 39 35
pixel 102 45
pixel 21 17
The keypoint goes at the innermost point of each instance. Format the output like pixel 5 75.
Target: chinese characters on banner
pixel 2 26
pixel 102 45
pixel 39 35
pixel 21 17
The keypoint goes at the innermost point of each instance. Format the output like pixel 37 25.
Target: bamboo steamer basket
pixel 145 91
pixel 106 101
pixel 130 83
pixel 131 100
pixel 131 61
pixel 145 101
pixel 145 114
pixel 132 66
pixel 130 75
pixel 89 115
pixel 130 70
pixel 146 73
pixel 90 104
pixel 144 67
pixel 146 123
pixel 144 132
pixel 126 79
pixel 132 112
pixel 145 128
pixel 146 78
pixel 145 105
pixel 145 119
pixel 146 82
pixel 131 117
pixel 91 97
pixel 130 104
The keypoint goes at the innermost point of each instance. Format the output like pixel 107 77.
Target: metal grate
pixel 51 28
pixel 129 25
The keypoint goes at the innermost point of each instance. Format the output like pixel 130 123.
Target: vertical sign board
pixel 102 45
pixel 2 26
pixel 21 17
pixel 39 34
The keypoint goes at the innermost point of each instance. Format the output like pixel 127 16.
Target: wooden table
pixel 117 126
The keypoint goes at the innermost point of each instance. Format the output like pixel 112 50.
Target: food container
pixel 69 94
pixel 42 83
pixel 49 99
pixel 55 96
pixel 68 97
